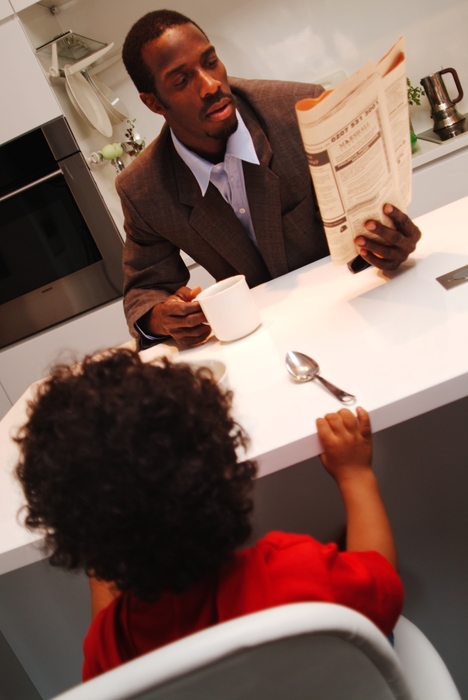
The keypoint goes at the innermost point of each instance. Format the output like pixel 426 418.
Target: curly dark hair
pixel 130 470
pixel 151 26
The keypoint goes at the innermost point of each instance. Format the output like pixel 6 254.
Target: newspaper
pixel 357 142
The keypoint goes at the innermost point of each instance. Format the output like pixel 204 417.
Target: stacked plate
pixel 113 105
pixel 94 101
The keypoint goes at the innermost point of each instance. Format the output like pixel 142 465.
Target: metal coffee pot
pixel 443 109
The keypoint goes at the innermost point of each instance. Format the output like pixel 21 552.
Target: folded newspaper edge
pixel 357 141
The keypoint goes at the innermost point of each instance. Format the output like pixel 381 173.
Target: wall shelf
pixel 71 46
pixel 428 151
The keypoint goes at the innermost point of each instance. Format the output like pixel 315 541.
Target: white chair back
pixel 304 650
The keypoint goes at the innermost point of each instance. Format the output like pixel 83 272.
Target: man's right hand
pixel 179 316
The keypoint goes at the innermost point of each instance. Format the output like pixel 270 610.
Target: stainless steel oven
pixel 60 251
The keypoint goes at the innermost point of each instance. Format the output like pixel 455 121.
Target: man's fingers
pixel 391 236
pixel 189 337
pixel 195 292
pixel 183 303
pixel 402 222
pixel 184 309
pixel 387 252
pixel 391 260
pixel 191 321
pixel 393 245
pixel 185 293
pixel 396 243
pixel 186 318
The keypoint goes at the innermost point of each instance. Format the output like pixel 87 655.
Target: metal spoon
pixel 303 368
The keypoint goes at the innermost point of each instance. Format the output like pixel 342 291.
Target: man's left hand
pixel 397 243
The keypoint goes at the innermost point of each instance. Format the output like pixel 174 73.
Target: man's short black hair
pixel 151 26
pixel 131 471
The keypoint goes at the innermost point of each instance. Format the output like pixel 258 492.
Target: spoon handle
pixel 341 395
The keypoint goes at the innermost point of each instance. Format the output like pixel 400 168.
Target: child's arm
pixel 347 456
pixel 102 594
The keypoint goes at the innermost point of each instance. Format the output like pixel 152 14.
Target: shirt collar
pixel 239 145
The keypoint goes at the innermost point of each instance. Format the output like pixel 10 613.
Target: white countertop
pixel 398 344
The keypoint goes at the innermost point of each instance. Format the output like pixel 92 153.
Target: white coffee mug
pixel 229 308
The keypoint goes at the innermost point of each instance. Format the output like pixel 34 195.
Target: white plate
pixel 87 103
pixel 218 368
pixel 117 110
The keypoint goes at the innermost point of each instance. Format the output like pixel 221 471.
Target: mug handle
pixel 457 83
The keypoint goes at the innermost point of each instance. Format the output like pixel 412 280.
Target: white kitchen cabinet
pixel 27 98
pixel 21 4
pixel 6 9
pixel 26 362
pixel 439 182
pixel 5 403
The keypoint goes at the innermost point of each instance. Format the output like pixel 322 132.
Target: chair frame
pixel 205 648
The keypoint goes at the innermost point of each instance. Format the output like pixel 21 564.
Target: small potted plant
pixel 134 143
pixel 414 98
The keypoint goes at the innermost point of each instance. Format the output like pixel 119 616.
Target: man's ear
pixel 152 102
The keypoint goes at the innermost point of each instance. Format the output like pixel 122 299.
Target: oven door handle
pixel 31 184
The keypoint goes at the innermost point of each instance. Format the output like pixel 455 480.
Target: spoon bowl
pixel 303 368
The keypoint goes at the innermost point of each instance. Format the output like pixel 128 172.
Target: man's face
pixel 192 90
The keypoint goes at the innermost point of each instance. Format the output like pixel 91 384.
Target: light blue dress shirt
pixel 228 176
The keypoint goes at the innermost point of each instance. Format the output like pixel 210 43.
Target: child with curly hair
pixel 132 472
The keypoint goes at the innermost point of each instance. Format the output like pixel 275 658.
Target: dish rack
pixel 72 58
pixel 70 48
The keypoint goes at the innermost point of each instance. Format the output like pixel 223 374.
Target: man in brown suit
pixel 227 181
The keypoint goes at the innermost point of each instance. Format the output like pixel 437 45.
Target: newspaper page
pixel 359 154
pixel 393 71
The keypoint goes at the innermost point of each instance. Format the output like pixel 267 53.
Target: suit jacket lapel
pixel 213 219
pixel 263 190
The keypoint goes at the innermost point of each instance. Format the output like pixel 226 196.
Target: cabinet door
pixel 27 98
pixel 5 403
pixel 439 182
pixel 5 9
pixel 21 4
pixel 31 359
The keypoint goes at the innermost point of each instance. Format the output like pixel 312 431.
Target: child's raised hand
pixel 347 456
pixel 347 442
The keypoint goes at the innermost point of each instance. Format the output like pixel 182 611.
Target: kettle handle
pixel 457 83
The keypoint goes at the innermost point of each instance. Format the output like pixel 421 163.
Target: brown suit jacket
pixel 165 211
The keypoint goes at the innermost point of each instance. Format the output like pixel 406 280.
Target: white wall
pixel 294 40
